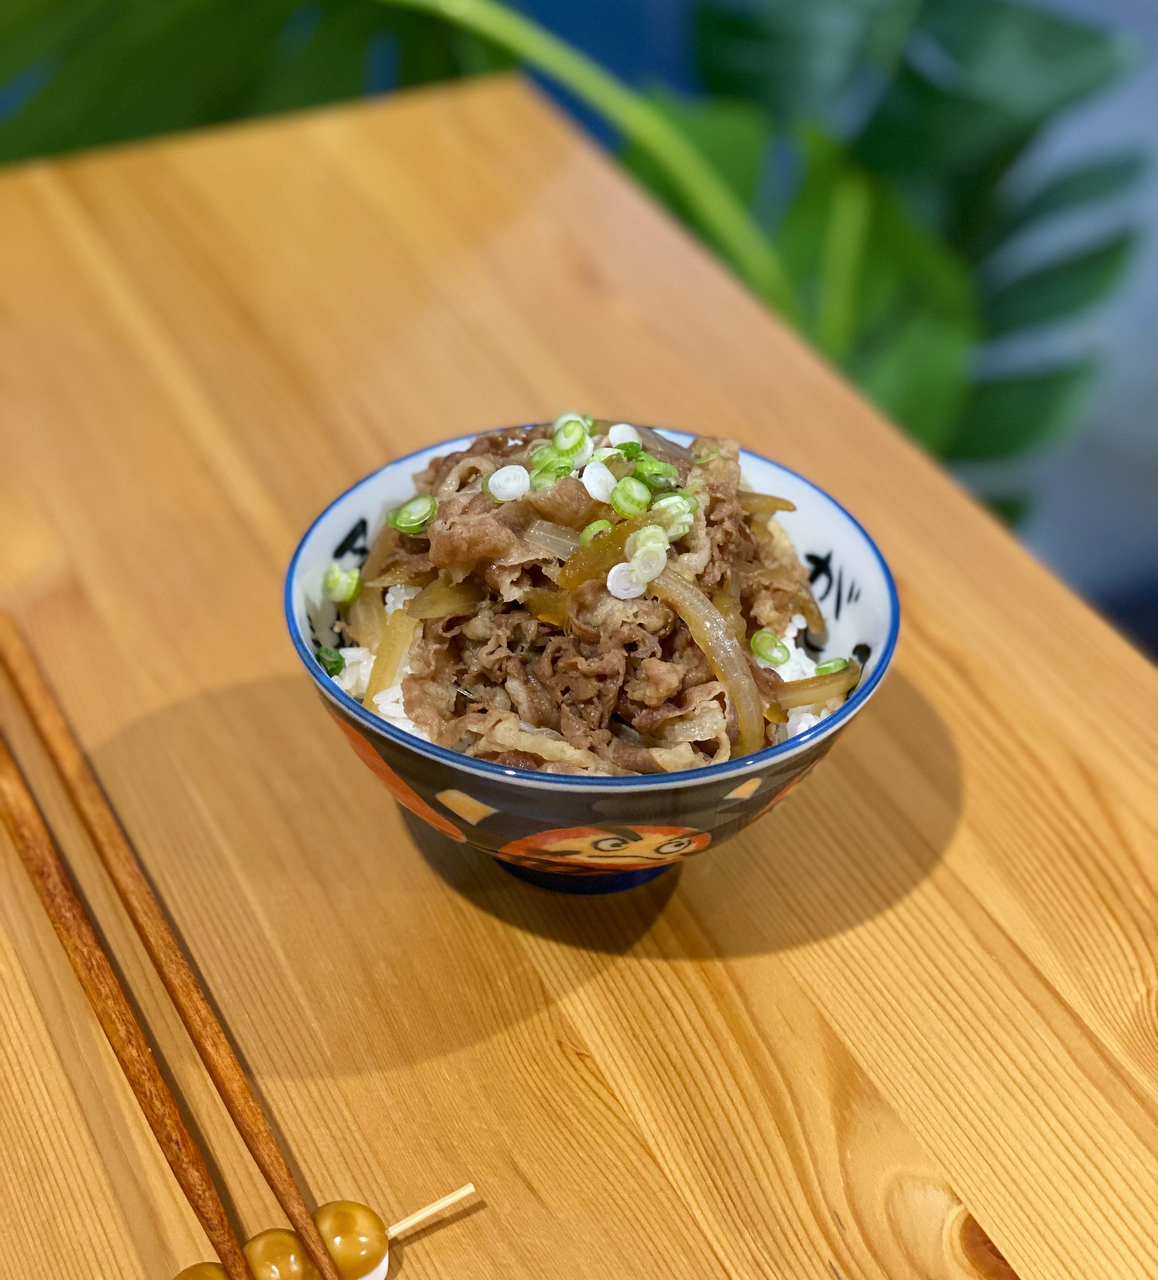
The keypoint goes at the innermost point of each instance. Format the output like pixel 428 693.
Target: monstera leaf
pixel 88 72
pixel 733 136
pixel 980 74
pixel 1057 291
pixel 881 294
pixel 796 58
pixel 1063 193
pixel 1007 416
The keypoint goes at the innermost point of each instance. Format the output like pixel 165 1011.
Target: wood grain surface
pixel 905 1027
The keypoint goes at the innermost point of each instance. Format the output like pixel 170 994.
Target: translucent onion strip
pixel 711 632
pixel 366 619
pixel 663 448
pixel 392 650
pixel 600 556
pixel 445 599
pixel 552 539
pixel 818 689
pixel 806 603
pixel 764 504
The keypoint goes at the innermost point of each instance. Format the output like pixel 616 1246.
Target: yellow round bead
pixel 279 1255
pixel 355 1236
pixel 204 1271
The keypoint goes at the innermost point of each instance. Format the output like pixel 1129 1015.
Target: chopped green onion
pixel 706 457
pixel 330 660
pixel 767 645
pixel 630 497
pixel 414 516
pixel 690 498
pixel 651 535
pixel 630 449
pixel 545 477
pixel 341 585
pixel 648 562
pixel 622 433
pixel 570 434
pixel 833 664
pixel 601 455
pixel 507 484
pixel 623 584
pixel 543 454
pixel 675 513
pixel 593 530
pixel 656 474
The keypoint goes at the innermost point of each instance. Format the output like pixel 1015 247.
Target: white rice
pixel 355 675
pixel 798 667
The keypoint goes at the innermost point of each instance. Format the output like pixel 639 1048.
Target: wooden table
pixel 906 1027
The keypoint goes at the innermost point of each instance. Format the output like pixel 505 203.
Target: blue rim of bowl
pixel 653 781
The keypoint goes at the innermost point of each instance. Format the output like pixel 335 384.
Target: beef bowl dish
pixel 590 648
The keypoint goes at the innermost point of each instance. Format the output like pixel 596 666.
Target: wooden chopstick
pixel 91 964
pixel 207 1034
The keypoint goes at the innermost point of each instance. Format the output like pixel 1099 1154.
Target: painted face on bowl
pixel 630 848
pixel 581 833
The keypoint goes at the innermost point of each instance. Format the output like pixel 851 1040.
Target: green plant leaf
pixel 907 266
pixel 842 263
pixel 794 58
pixel 734 136
pixel 1021 57
pixel 120 69
pixel 980 74
pixel 880 293
pixel 1010 508
pixel 919 376
pixel 1069 190
pixel 1008 416
pixel 330 64
pixel 1060 289
pixel 152 68
pixel 326 64
pixel 34 31
pixel 431 49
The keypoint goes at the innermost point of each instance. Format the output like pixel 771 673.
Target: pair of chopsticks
pixel 78 936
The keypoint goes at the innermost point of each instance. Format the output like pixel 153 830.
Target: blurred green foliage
pixel 906 118
pixel 80 73
pixel 859 150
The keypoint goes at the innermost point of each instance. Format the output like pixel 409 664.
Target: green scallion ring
pixel 593 530
pixel 630 497
pixel 545 477
pixel 767 645
pixel 651 535
pixel 414 516
pixel 832 665
pixel 570 436
pixel 657 475
pixel 330 660
pixel 341 585
pixel 542 455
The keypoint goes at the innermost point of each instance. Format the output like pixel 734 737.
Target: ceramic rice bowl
pixel 601 834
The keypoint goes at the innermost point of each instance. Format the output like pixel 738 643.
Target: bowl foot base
pixel 560 882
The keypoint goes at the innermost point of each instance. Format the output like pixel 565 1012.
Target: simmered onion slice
pixel 712 633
